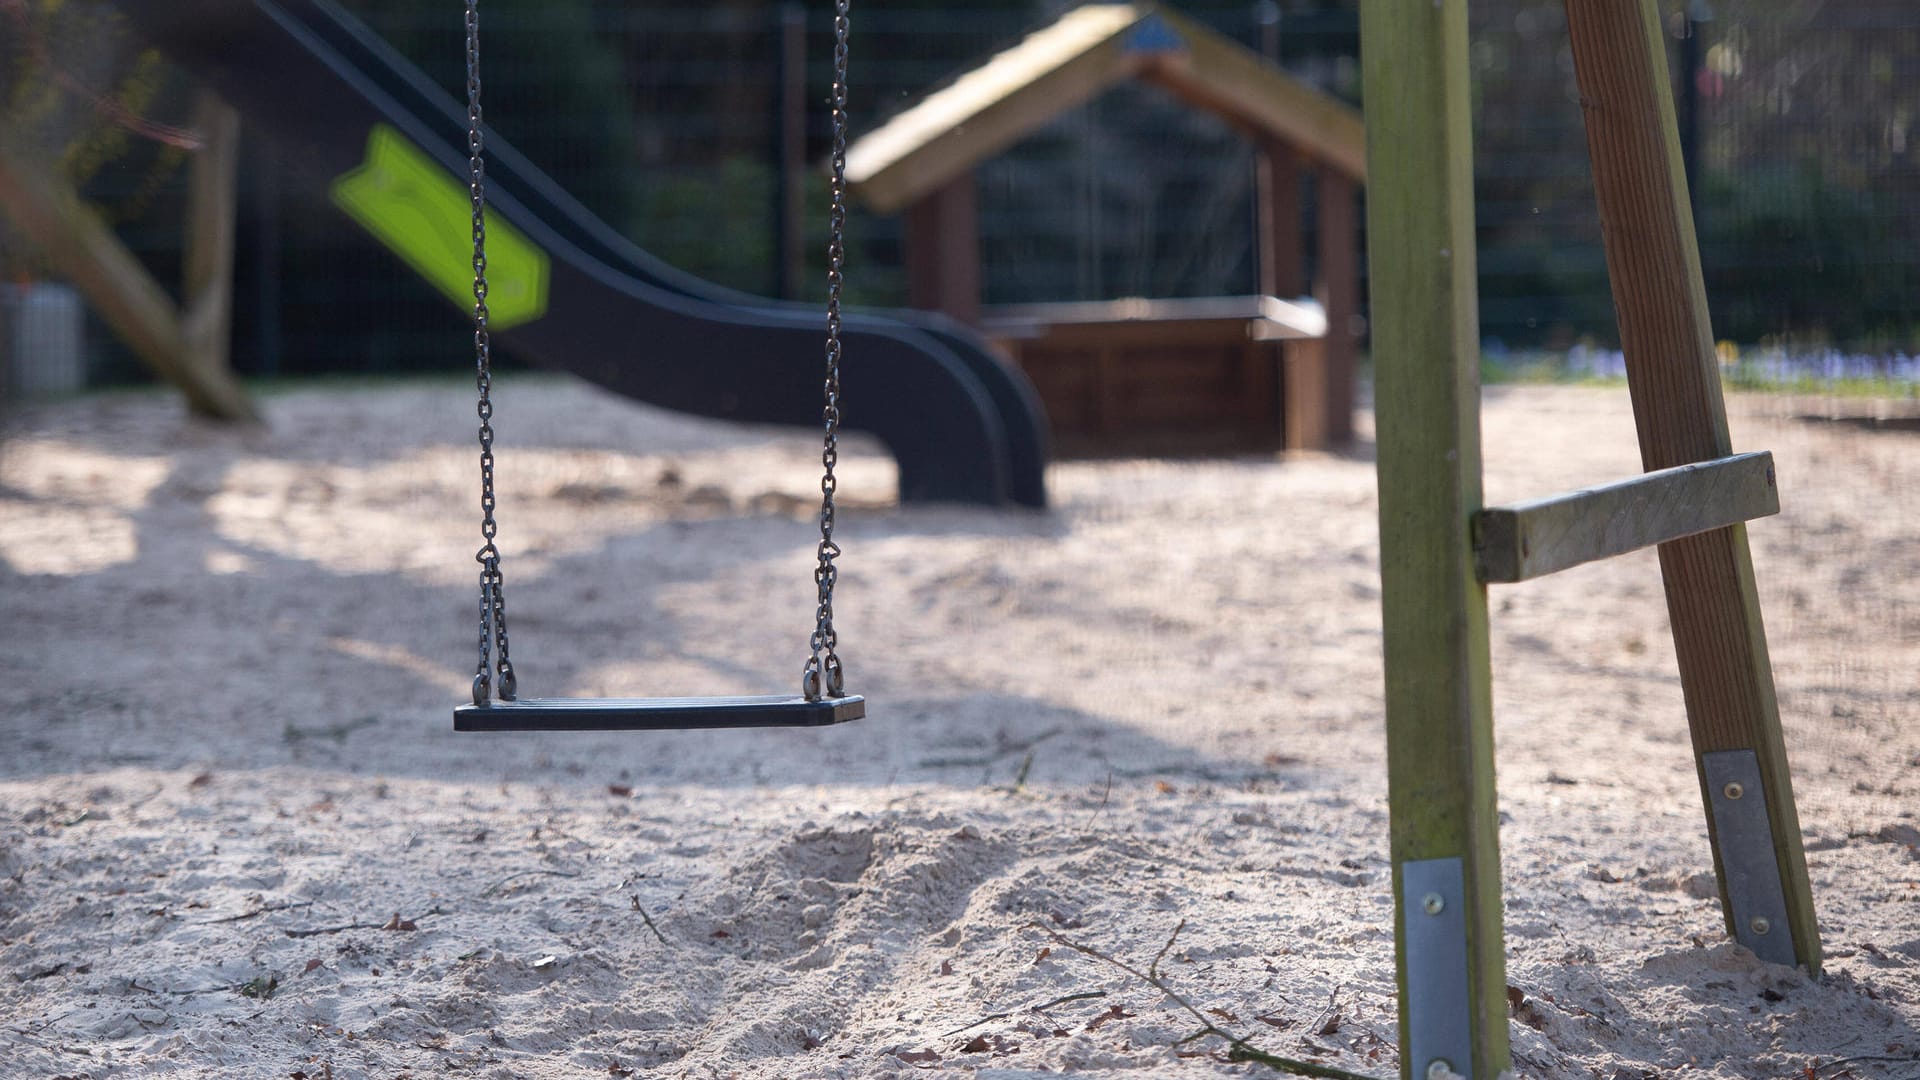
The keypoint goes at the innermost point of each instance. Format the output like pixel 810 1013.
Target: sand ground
pixel 238 837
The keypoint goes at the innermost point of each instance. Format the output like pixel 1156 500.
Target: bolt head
pixel 1433 903
pixel 1734 789
pixel 1440 1069
pixel 1759 925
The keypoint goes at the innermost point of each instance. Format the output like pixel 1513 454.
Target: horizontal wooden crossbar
pixel 1533 539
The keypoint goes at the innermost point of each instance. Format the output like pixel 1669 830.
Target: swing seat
pixel 657 714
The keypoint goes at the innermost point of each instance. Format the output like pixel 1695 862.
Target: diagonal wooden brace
pixel 1673 376
pixel 188 348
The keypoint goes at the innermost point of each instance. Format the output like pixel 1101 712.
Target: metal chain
pixel 823 667
pixel 493 599
pixel 824 671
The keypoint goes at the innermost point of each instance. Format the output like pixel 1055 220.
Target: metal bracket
pixel 1756 900
pixel 1433 941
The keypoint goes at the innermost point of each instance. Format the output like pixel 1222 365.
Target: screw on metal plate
pixel 1442 1069
pixel 1756 899
pixel 1433 950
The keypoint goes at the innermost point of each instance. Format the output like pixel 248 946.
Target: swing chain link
pixel 493 600
pixel 823 671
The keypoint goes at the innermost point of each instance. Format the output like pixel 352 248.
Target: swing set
pixel 823 699
pixel 1440 546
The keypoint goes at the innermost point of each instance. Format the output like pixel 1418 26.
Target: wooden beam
pixel 1278 219
pixel 993 106
pixel 1620 64
pixel 1339 290
pixel 1081 55
pixel 1303 394
pixel 1221 75
pixel 213 199
pixel 1440 775
pixel 77 244
pixel 942 246
pixel 1536 538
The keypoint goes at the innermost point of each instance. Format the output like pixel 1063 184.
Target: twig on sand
pixel 1042 1007
pixel 1020 778
pixel 1153 969
pixel 147 798
pixel 1333 1002
pixel 510 878
pixel 1104 796
pixel 396 923
pixel 1237 1047
pixel 223 987
pixel 1838 1063
pixel 34 1032
pixel 1005 749
pixel 256 912
pixel 319 930
pixel 648 919
pixel 554 830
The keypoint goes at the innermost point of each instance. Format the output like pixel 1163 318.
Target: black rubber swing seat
pixel 657 714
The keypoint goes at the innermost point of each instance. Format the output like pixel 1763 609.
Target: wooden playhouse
pixel 1226 373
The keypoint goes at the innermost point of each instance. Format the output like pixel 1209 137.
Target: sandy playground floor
pixel 238 837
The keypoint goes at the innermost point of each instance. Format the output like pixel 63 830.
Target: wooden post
pixel 943 251
pixel 83 249
pixel 1303 394
pixel 1652 258
pixel 1440 774
pixel 206 322
pixel 1278 220
pixel 1340 297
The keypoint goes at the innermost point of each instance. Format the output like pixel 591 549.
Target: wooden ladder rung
pixel 1532 539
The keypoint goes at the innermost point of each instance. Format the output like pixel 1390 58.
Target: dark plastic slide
pixel 388 148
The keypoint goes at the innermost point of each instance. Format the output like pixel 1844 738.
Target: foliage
pixel 1792 256
pixel 554 85
pixel 1804 158
pixel 715 224
pixel 79 92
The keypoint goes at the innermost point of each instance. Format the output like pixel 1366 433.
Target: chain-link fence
pixel 1797 116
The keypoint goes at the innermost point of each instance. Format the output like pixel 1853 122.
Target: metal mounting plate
pixel 1433 913
pixel 1756 900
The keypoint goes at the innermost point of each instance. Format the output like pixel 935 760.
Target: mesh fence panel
pixel 1797 117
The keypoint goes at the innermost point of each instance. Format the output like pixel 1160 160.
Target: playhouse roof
pixel 1076 58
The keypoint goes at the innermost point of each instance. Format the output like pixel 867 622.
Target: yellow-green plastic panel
pixel 424 214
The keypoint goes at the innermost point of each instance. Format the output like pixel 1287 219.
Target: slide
pixel 388 148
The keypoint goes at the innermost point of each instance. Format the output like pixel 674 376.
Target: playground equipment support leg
pixel 1445 840
pixel 1653 260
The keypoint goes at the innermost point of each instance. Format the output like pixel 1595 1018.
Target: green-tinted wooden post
pixel 1420 240
pixel 1654 263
